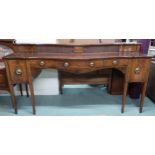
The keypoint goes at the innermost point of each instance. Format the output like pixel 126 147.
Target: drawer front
pixel 46 63
pixel 79 66
pixel 115 62
pixel 139 70
pixel 64 64
pixel 17 69
pixel 84 64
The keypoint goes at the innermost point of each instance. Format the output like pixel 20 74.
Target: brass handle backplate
pixel 18 71
pixel 42 63
pixel 137 70
pixel 66 64
pixel 115 62
pixel 92 64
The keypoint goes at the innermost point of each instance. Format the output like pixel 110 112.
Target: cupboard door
pixel 17 69
pixel 139 69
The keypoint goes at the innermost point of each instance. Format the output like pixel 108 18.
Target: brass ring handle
pixel 92 64
pixel 42 63
pixel 137 70
pixel 66 64
pixel 115 62
pixel 18 71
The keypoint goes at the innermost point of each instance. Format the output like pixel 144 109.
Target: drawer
pixel 139 70
pixel 79 66
pixel 17 69
pixel 73 66
pixel 88 64
pixel 67 64
pixel 115 62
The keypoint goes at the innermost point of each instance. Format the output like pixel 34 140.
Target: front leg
pixel 13 98
pixel 124 96
pixel 142 97
pixel 30 82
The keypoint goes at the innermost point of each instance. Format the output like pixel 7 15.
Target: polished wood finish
pixel 19 67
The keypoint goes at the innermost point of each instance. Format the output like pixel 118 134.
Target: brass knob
pixel 66 64
pixel 92 64
pixel 42 63
pixel 18 71
pixel 137 70
pixel 115 62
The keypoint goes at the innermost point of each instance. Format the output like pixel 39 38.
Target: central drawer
pixel 79 65
pixel 67 64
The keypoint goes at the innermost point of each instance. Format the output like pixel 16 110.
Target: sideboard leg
pixel 33 98
pixel 61 89
pixel 124 96
pixel 30 82
pixel 142 97
pixel 27 91
pixel 13 98
pixel 21 89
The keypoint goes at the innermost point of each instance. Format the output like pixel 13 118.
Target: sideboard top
pixel 74 56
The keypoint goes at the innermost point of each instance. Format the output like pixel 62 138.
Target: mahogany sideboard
pixel 133 65
pixel 111 78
